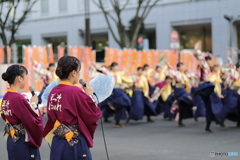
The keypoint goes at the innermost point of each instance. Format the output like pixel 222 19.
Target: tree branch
pixel 145 8
pixel 125 5
pixel 8 13
pixel 150 8
pixel 105 13
pixel 138 8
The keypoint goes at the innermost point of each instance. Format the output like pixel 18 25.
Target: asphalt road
pixel 161 140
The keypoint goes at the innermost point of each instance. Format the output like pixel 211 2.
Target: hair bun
pixel 59 71
pixel 5 76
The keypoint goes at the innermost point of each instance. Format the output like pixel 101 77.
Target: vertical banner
pixel 128 60
pixel 156 57
pixel 28 53
pixel 75 52
pixel 110 56
pixel 138 60
pixel 1 55
pixel 189 60
pixel 9 55
pixel 88 58
pixel 50 54
pixel 61 51
pixel 171 56
pixel 149 58
pixel 119 56
pixel 40 55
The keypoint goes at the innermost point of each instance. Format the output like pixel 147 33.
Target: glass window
pixel 62 5
pixel 44 6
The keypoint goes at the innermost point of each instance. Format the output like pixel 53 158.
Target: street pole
pixel 87 24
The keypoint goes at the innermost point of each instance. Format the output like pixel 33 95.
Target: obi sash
pixel 15 131
pixel 69 132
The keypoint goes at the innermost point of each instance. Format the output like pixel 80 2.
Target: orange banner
pixel 61 51
pixel 1 55
pixel 50 54
pixel 40 55
pixel 88 58
pixel 189 60
pixel 110 56
pixel 138 60
pixel 9 55
pixel 214 59
pixel 28 53
pixel 156 57
pixel 171 56
pixel 128 60
pixel 75 52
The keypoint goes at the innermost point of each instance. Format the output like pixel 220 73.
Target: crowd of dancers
pixel 212 92
pixel 73 113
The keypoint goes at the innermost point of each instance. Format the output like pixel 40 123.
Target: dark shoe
pixel 182 125
pixel 208 131
pixel 119 126
pixel 196 119
pixel 150 121
pixel 127 122
pixel 223 125
pixel 238 124
pixel 107 121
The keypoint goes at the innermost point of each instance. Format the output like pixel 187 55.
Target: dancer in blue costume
pixel 140 99
pixel 181 92
pixel 163 95
pixel 210 92
pixel 119 100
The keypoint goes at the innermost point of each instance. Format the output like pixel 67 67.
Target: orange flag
pixel 214 59
pixel 110 56
pixel 28 53
pixel 9 55
pixel 189 60
pixel 87 60
pixel 50 54
pixel 128 60
pixel 1 55
pixel 61 51
pixel 172 57
pixel 75 52
pixel 138 59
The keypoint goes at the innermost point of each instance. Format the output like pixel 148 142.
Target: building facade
pixel 63 22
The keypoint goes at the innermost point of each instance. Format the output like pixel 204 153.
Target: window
pixel 62 5
pixel 44 6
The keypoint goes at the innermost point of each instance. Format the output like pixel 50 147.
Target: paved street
pixel 161 140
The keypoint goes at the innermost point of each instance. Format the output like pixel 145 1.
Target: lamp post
pixel 231 20
pixel 87 23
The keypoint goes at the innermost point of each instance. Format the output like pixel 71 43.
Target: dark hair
pixel 139 68
pixel 12 72
pixel 167 77
pixel 179 64
pixel 214 66
pixel 144 66
pixel 66 65
pixel 50 65
pixel 237 66
pixel 113 64
pixel 157 67
pixel 208 58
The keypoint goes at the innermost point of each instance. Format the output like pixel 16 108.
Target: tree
pixel 142 10
pixel 11 19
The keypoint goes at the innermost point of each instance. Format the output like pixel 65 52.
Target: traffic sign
pixel 174 35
